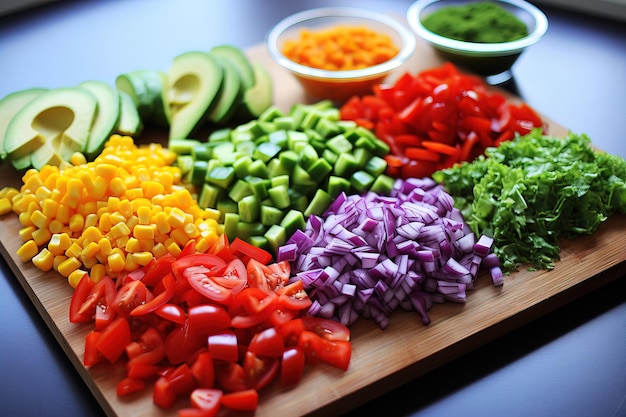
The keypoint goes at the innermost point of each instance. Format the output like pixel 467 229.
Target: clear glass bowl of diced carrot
pixel 338 52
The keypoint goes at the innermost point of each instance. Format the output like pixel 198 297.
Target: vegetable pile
pixel 369 254
pixel 213 328
pixel 437 118
pixel 266 176
pixel 529 192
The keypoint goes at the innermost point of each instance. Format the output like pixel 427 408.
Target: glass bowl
pixel 494 61
pixel 339 85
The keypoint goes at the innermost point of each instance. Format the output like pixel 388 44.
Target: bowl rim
pixel 406 49
pixel 473 48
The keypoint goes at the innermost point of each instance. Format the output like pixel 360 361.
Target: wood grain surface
pixel 382 359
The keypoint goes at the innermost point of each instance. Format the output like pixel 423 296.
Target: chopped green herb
pixel 532 190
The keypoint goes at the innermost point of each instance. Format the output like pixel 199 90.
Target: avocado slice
pixel 106 117
pixel 239 60
pixel 230 96
pixel 130 122
pixel 260 96
pixel 52 126
pixel 194 84
pixel 9 106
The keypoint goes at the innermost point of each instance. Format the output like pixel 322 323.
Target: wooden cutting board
pixel 382 359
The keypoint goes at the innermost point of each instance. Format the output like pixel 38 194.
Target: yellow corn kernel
pixel 106 170
pixel 59 243
pixel 146 244
pixel 58 259
pixel 43 260
pixel 132 245
pixel 104 222
pixel 132 221
pixel 125 208
pixel 25 219
pixel 105 246
pixel 5 206
pixel 117 217
pixel 159 250
pixel 91 220
pixel 88 207
pixel 92 234
pixel 141 231
pixel 89 262
pixel 26 233
pixel 191 230
pixel 78 158
pixel 152 188
pixel 179 236
pixel 90 250
pixel 131 264
pixel 74 250
pixel 162 223
pixel 203 244
pixel 68 266
pixel 32 182
pixel 113 204
pixel 63 214
pixel 172 247
pixel 49 208
pixel 76 222
pixel 97 272
pixel 41 236
pixel 142 258
pixel 117 186
pixel 120 229
pixel 28 250
pixel 75 276
pixel 8 192
pixel 143 215
pixel 122 241
pixel 55 226
pixel 116 262
pixel 176 217
pixel 73 194
pixel 132 193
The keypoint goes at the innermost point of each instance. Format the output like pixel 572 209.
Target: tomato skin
pixel 91 354
pixel 114 338
pixel 152 348
pixel 205 319
pixel 84 287
pixel 150 305
pixel 234 277
pixel 129 386
pixel 246 251
pixel 203 370
pixel 259 371
pixel 246 400
pixel 156 270
pixel 171 312
pixel 223 346
pixel 292 366
pixel 268 342
pixel 129 296
pixel 293 296
pixel 326 328
pixel 207 399
pixel 230 377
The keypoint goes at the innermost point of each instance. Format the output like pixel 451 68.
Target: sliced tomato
pixel 257 305
pixel 336 353
pixel 230 377
pixel 129 296
pixel 114 338
pixel 223 346
pixel 129 386
pixel 180 345
pixel 201 279
pixel 151 348
pixel 207 399
pixel 246 400
pixel 150 305
pixel 82 290
pixel 206 319
pixel 259 371
pixel 97 302
pixel 326 328
pixel 156 270
pixel 293 296
pixel 91 355
pixel 268 342
pixel 292 366
pixel 234 277
pixel 203 370
pixel 171 312
pixel 267 277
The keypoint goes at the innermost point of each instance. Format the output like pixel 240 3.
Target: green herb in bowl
pixel 482 22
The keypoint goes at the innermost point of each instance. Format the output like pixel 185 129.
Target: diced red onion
pixel 370 254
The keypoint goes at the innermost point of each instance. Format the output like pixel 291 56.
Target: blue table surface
pixel 570 362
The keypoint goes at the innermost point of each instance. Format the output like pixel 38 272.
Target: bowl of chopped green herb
pixel 485 37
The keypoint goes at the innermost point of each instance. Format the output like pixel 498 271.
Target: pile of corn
pixel 110 216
